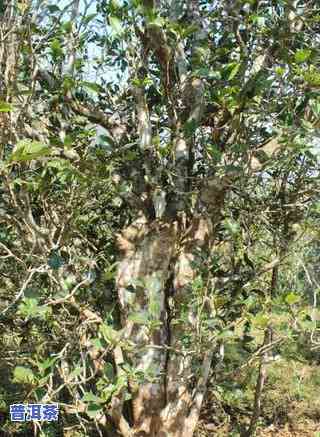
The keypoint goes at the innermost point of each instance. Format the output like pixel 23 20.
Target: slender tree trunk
pixel 260 383
pixel 262 375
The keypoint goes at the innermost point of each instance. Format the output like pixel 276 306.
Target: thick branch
pixel 93 115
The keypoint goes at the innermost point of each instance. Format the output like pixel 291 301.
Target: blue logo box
pixel 31 412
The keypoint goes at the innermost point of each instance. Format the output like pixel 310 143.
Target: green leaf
pixel 302 55
pixel 97 343
pixel 30 308
pixel 127 396
pixel 56 48
pixel 55 261
pixel 93 410
pixel 116 25
pixel 307 125
pixel 68 83
pixel 226 334
pixel 197 283
pixel 206 72
pixel 53 8
pixel 47 363
pixel 92 86
pixel 139 318
pixel 157 21
pixel 67 26
pixel 5 107
pixel 258 20
pixel 110 272
pixel 292 298
pixel 189 30
pixel 280 71
pixel 106 390
pixel 122 382
pixel 108 371
pixel 26 150
pixel 231 226
pixel 68 283
pixel 261 320
pixel 154 308
pixel 75 372
pixel 109 334
pixel 312 76
pixel 60 164
pixel 315 106
pixel 115 4
pixel 23 375
pixel 190 127
pixel 308 325
pixel 234 71
pixel 89 18
pixel 91 397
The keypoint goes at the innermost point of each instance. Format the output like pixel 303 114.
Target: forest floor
pixel 290 403
pixel 307 429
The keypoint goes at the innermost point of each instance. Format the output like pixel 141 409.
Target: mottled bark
pixel 158 259
pixel 142 275
pixel 150 255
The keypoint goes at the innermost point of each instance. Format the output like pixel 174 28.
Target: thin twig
pixel 23 288
pixel 69 296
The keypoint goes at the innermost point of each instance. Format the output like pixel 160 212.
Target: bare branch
pixel 42 269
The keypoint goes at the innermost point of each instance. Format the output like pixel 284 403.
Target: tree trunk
pixel 154 280
pixel 159 260
pixel 160 407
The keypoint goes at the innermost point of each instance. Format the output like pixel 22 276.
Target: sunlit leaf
pixel 91 397
pixel 292 298
pixel 47 363
pixel 56 48
pixel 116 25
pixel 109 334
pixel 30 308
pixel 77 371
pixel 5 107
pixel 89 18
pixel 302 55
pixel 231 226
pixel 97 343
pixel 92 86
pixel 140 318
pixel 26 150
pixel 234 71
pixel 23 375
pixel 261 320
